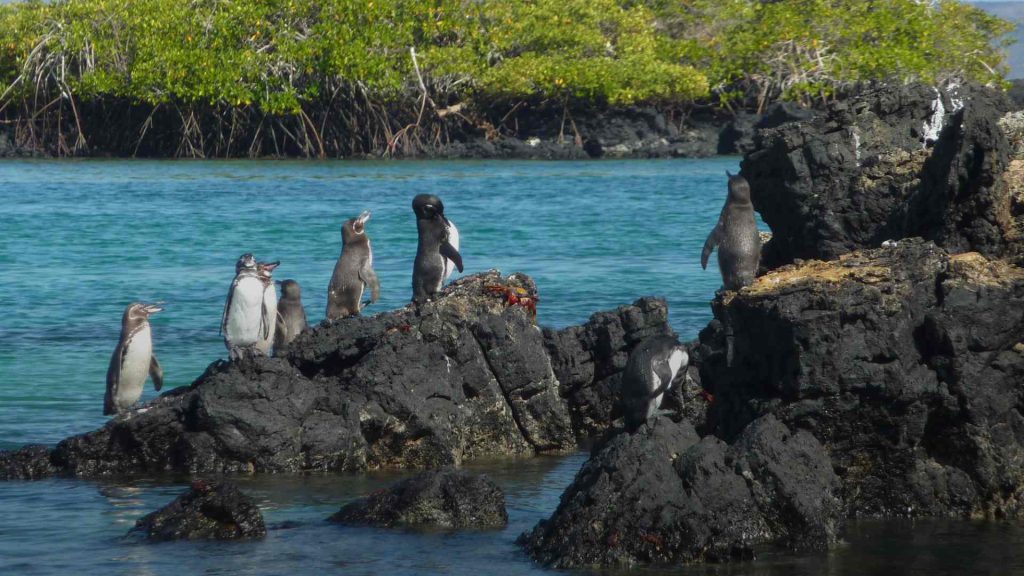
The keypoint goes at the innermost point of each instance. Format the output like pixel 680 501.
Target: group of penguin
pixel 254 321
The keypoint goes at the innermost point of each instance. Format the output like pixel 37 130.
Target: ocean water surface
pixel 79 240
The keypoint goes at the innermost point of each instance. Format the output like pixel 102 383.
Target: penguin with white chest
pixel 133 360
pixel 268 315
pixel 437 254
pixel 652 366
pixel 735 234
pixel 245 320
pixel 353 272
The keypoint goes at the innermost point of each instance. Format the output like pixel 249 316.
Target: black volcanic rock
pixel 891 162
pixel 906 363
pixel 447 499
pixel 28 463
pixel 463 377
pixel 214 512
pixel 664 496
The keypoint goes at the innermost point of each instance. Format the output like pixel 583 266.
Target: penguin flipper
pixel 227 306
pixel 156 372
pixel 369 277
pixel 451 253
pixel 709 246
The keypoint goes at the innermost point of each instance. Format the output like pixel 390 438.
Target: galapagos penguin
pixel 735 234
pixel 353 272
pixel 268 315
pixel 242 322
pixel 437 254
pixel 291 316
pixel 652 366
pixel 132 361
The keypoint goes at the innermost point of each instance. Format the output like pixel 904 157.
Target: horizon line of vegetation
pixel 361 76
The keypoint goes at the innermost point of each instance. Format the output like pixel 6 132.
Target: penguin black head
pixel 427 206
pixel 354 227
pixel 290 290
pixel 739 189
pixel 245 262
pixel 137 312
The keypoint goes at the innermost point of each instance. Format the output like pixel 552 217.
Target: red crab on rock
pixel 514 293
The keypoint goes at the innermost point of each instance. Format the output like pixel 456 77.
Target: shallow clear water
pixel 80 240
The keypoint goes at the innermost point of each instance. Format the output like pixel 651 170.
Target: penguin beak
pixel 363 217
pixel 152 308
pixel 270 265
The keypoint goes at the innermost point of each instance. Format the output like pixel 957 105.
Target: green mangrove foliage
pixel 320 77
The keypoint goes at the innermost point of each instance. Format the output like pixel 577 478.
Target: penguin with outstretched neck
pixel 353 272
pixel 735 234
pixel 291 316
pixel 268 313
pixel 437 254
pixel 652 367
pixel 133 360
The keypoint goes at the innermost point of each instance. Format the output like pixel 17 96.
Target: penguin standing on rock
pixel 739 244
pixel 437 254
pixel 133 360
pixel 652 366
pixel 291 316
pixel 353 272
pixel 268 314
pixel 242 323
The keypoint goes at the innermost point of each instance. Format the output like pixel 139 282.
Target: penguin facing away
pixel 736 236
pixel 242 321
pixel 652 366
pixel 353 272
pixel 268 313
pixel 436 256
pixel 291 316
pixel 133 360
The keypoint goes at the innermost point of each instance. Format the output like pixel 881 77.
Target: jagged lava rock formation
pixel 873 381
pixel 464 377
pixel 906 363
pixel 446 499
pixel 892 162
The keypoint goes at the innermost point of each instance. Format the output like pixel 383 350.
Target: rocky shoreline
pixel 877 364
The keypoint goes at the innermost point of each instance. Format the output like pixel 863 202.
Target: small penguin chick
pixel 291 316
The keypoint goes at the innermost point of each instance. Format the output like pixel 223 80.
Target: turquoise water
pixel 80 240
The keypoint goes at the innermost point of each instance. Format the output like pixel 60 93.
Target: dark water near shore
pixel 79 240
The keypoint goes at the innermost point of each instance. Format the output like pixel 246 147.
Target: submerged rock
pixel 665 496
pixel 447 499
pixel 463 377
pixel 213 512
pixel 889 163
pixel 907 364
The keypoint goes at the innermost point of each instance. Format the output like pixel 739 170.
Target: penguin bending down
pixel 132 361
pixel 268 315
pixel 652 366
pixel 353 272
pixel 735 234
pixel 291 316
pixel 242 323
pixel 437 254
